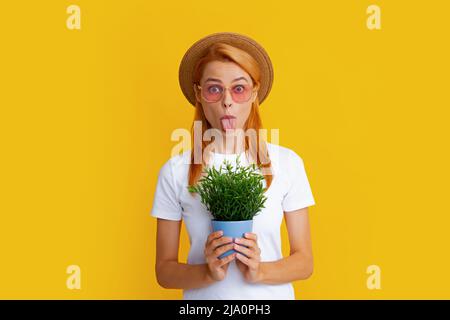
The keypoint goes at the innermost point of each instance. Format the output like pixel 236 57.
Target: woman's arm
pixel 299 264
pixel 171 274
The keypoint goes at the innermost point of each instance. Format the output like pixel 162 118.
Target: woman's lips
pixel 228 122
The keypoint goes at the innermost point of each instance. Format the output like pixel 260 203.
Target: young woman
pixel 226 76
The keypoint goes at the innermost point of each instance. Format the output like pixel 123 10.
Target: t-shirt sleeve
pixel 299 193
pixel 165 202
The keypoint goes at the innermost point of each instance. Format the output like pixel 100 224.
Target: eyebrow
pixel 218 80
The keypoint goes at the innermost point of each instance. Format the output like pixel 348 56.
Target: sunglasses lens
pixel 241 93
pixel 214 92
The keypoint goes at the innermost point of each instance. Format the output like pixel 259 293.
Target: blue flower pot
pixel 232 229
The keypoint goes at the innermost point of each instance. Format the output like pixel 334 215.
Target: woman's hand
pixel 214 247
pixel 250 267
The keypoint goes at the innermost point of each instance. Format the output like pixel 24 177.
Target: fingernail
pixel 237 240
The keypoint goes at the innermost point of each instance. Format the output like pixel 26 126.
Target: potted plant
pixel 233 196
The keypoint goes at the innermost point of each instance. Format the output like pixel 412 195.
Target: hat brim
pixel 200 48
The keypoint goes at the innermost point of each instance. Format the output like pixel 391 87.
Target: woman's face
pixel 217 76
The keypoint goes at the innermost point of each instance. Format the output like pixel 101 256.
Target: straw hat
pixel 200 48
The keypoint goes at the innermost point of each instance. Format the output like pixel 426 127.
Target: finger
pixel 227 259
pixel 222 240
pixel 214 235
pixel 251 235
pixel 217 243
pixel 249 253
pixel 248 243
pixel 217 263
pixel 243 259
pixel 218 251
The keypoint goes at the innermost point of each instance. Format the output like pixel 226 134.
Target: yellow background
pixel 86 118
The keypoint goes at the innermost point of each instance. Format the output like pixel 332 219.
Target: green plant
pixel 231 195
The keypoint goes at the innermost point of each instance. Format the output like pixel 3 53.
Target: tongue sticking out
pixel 228 124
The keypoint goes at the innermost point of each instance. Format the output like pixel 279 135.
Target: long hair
pixel 255 150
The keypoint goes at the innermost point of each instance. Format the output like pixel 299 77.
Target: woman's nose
pixel 227 99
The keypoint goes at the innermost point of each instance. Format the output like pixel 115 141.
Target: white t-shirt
pixel 289 191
